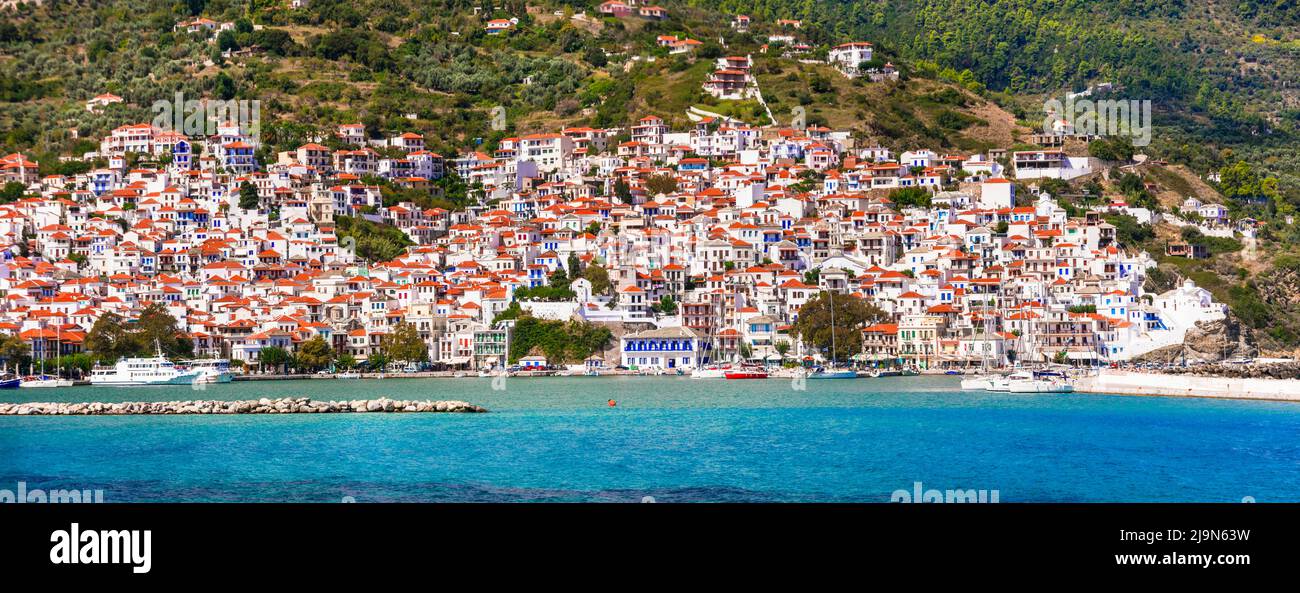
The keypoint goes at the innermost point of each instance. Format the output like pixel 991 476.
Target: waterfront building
pixel 663 348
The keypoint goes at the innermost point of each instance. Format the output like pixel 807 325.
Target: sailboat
pixel 986 381
pixel 832 372
pixel 43 380
pixel 47 381
pixel 1039 382
pixel 712 370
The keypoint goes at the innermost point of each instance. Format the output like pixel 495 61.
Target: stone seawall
pixel 301 405
pixel 1127 383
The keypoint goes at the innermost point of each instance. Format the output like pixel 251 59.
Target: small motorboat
pixel 833 373
pixel 9 381
pixel 878 373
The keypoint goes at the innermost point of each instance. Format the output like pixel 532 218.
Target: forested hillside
pixel 1223 75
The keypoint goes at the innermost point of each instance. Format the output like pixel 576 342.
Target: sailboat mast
pixel 831 293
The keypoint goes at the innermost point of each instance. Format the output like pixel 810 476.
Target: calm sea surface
pixel 676 439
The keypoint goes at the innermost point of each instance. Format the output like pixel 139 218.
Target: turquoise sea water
pixel 676 439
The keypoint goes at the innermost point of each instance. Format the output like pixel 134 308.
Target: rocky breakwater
pixel 300 405
pixel 1280 370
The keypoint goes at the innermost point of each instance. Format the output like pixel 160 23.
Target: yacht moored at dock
pixel 211 370
pixel 1040 382
pixel 155 370
pixel 44 381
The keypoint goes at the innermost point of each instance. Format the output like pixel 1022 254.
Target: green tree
pixel 108 338
pixel 14 351
pixel 315 354
pixel 248 198
pixel 404 344
pixel 1119 148
pixel 665 306
pixel 595 56
pixel 661 184
pixel 622 191
pixel 75 365
pixel 156 326
pixel 226 40
pixel 560 341
pixel 274 357
pixel 911 196
pixel 1240 181
pixel 374 242
pixel 377 361
pixel 1128 231
pixel 559 279
pixel 12 191
pixel 599 279
pixel 851 314
pixel 224 87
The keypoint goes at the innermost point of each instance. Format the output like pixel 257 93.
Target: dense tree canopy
pixel 851 314
pixel 315 354
pixel 560 341
pixel 404 344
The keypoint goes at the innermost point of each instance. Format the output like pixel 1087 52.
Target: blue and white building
pixel 662 348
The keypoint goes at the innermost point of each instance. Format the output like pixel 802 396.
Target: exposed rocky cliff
pixel 1208 341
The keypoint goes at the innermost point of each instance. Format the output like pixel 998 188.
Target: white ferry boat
pixel 212 370
pixel 155 370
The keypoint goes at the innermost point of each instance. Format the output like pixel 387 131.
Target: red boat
pixel 748 371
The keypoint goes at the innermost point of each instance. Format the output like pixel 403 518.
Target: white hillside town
pixel 348 255
pixel 757 222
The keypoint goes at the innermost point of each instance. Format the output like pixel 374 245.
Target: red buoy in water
pixel 612 403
